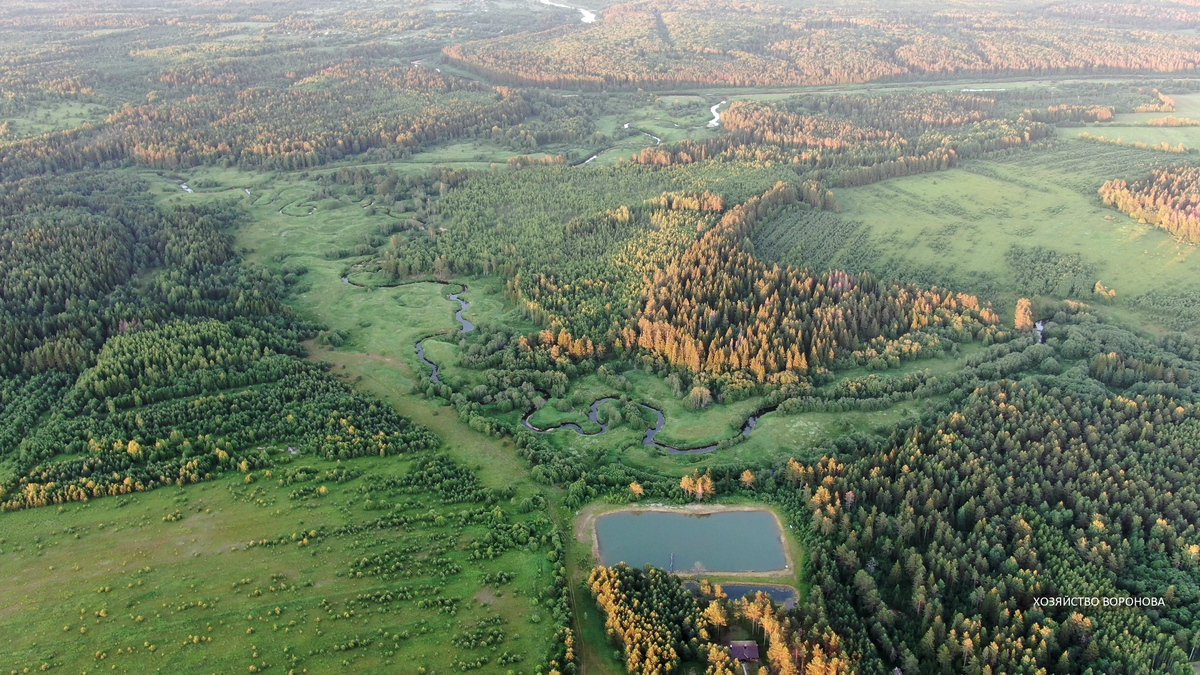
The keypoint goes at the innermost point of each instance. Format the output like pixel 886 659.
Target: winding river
pixel 650 439
pixel 588 15
pixel 594 411
pixel 715 110
pixel 466 324
pixel 593 416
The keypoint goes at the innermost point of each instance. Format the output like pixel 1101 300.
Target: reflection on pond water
pixel 726 541
pixel 784 595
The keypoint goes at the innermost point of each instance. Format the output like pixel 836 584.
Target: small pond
pixel 782 595
pixel 725 541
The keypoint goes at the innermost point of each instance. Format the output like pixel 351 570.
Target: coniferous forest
pixel 346 337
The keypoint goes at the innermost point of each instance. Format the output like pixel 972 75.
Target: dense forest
pixel 658 623
pixel 153 355
pixel 232 235
pixel 619 281
pixel 682 43
pixel 1027 506
pixel 1035 481
pixel 336 110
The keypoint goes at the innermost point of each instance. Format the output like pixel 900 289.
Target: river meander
pixel 650 437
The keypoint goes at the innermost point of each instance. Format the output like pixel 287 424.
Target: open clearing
pixel 172 579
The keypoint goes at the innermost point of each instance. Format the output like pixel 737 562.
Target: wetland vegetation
pixel 347 338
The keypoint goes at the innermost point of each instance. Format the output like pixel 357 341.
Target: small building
pixel 744 650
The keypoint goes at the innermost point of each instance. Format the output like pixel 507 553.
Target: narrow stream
pixel 716 120
pixel 465 323
pixel 593 412
pixel 650 438
pixel 593 416
pixel 421 355
pixel 463 306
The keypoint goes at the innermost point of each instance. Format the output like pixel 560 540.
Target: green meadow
pixel 186 572
pixel 265 571
pixel 52 116
pixel 218 575
pixel 923 227
pixel 382 324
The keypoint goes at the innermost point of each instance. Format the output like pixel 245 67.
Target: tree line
pixel 170 380
pixel 695 44
pixel 1169 198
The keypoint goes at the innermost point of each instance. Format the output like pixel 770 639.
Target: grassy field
pixel 218 577
pixel 672 118
pixel 171 579
pixel 1136 128
pixel 1188 137
pixel 774 436
pixel 1186 105
pixel 53 117
pixel 548 416
pixel 686 428
pixel 383 323
pixel 921 227
pixel 1045 200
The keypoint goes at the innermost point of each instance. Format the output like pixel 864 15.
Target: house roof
pixel 744 650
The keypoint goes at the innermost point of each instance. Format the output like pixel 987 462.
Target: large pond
pixel 725 541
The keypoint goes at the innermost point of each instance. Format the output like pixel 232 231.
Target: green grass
pixel 662 121
pixel 686 428
pixel 1135 128
pixel 622 149
pixel 942 365
pixel 53 117
pixel 773 437
pixel 1186 105
pixel 473 154
pixel 450 371
pixel 80 576
pixel 1189 137
pixel 548 416
pixel 383 324
pixel 922 225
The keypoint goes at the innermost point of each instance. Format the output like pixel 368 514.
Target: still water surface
pixel 781 594
pixel 728 541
